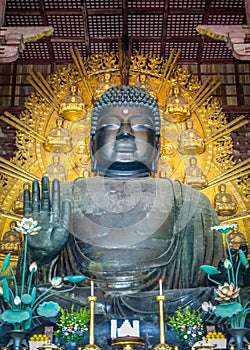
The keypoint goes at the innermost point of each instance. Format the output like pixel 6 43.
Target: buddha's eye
pixel 140 122
pixel 140 126
pixel 109 126
pixel 109 123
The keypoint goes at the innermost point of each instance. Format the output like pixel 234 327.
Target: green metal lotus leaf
pixel 33 296
pixel 224 229
pixel 14 316
pixel 26 299
pixel 228 310
pixel 48 309
pixel 6 262
pixel 27 323
pixel 75 278
pixel 209 270
pixel 243 258
pixel 6 277
pixel 6 291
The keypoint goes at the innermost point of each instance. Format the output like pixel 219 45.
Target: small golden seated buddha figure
pixel 73 105
pixel 236 238
pixel 194 176
pixel 81 157
pixel 105 84
pixel 11 241
pixel 190 141
pixel 56 170
pixel 224 203
pixel 177 106
pixel 18 203
pixel 144 84
pixel 59 139
pixel 167 148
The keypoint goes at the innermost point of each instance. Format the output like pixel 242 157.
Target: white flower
pixel 17 300
pixel 33 267
pixel 185 336
pixel 56 282
pixel 27 226
pixel 227 264
pixel 208 306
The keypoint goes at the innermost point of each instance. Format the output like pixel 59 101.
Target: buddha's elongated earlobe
pixel 92 155
pixel 93 164
pixel 154 165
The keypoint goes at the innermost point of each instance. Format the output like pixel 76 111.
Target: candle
pixel 92 288
pixel 136 328
pixel 160 286
pixel 113 328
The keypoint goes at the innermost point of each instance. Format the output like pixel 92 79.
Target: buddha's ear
pixel 93 164
pixel 154 165
pixel 92 155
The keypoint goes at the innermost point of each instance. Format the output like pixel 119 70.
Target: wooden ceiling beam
pixel 119 11
pixel 202 39
pixel 104 39
pixel 2 12
pixel 164 28
pixel 86 28
pixel 45 23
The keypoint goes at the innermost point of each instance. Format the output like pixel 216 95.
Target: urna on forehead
pixel 131 97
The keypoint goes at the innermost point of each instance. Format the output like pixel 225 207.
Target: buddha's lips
pixel 125 146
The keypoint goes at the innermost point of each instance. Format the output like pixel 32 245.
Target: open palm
pixel 53 216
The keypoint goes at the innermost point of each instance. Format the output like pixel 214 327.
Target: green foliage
pixel 228 305
pixel 223 310
pixel 23 305
pixel 187 325
pixel 210 270
pixel 73 324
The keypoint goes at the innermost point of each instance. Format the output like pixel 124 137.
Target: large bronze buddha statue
pixel 123 228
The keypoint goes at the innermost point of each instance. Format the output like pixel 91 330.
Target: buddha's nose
pixel 125 132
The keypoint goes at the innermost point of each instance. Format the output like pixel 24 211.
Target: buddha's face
pixel 107 77
pixel 193 161
pixel 222 188
pixel 125 142
pixel 142 78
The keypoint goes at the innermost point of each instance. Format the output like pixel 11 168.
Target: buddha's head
pixel 193 161
pixel 222 188
pixel 125 133
pixel 107 76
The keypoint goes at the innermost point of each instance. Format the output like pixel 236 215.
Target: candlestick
pixel 160 286
pixel 92 293
pixel 162 345
pixel 92 345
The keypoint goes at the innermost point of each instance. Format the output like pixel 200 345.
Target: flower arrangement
pixel 22 304
pixel 187 325
pixel 228 305
pixel 73 324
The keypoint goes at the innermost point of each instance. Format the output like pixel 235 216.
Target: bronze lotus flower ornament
pixel 227 292
pixel 22 303
pixel 228 305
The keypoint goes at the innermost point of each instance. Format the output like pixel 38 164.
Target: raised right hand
pixel 53 216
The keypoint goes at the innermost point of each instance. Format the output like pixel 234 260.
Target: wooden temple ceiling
pixel 95 26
